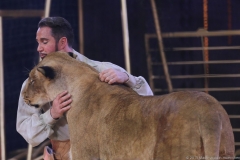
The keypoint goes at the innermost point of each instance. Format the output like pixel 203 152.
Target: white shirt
pixel 35 125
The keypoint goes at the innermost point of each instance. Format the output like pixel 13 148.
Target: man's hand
pixel 113 76
pixel 60 104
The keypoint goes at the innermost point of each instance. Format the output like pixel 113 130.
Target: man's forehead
pixel 43 32
pixel 45 28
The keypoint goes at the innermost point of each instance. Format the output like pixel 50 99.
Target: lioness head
pixel 44 81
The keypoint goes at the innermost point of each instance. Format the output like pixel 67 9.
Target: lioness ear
pixel 47 71
pixel 72 55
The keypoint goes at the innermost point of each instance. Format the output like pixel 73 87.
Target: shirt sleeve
pixel 138 84
pixel 34 126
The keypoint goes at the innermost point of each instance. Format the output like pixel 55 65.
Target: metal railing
pixel 197 34
pixel 14 14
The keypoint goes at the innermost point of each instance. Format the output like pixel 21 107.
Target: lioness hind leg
pixel 212 135
pixel 227 145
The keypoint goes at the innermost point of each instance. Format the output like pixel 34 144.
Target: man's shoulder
pixel 86 60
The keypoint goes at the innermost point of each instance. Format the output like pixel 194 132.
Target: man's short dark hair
pixel 60 28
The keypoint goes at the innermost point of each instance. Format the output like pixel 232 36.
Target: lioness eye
pixel 31 81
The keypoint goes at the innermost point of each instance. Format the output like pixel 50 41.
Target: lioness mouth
pixel 35 105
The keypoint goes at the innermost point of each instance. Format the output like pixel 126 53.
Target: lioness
pixel 112 122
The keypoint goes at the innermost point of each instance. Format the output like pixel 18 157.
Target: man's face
pixel 46 42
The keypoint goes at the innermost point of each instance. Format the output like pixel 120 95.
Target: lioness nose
pixel 25 95
pixel 26 100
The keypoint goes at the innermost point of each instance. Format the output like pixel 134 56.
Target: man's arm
pixel 34 126
pixel 112 73
pixel 138 84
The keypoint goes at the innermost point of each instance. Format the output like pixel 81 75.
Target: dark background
pixel 103 42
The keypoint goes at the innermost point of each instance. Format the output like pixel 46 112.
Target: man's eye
pixel 45 42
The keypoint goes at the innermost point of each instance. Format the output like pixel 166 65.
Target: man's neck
pixel 67 49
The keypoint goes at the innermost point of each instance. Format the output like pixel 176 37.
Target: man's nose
pixel 39 48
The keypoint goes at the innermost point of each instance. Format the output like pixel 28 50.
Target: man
pixel 36 125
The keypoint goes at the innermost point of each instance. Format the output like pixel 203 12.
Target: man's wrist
pixel 51 114
pixel 47 118
pixel 127 78
pixel 131 82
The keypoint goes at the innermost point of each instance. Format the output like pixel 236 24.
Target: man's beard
pixel 56 47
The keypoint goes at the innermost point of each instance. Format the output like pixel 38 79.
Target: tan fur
pixel 112 122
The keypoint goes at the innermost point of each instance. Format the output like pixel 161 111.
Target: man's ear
pixel 47 71
pixel 72 55
pixel 62 43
